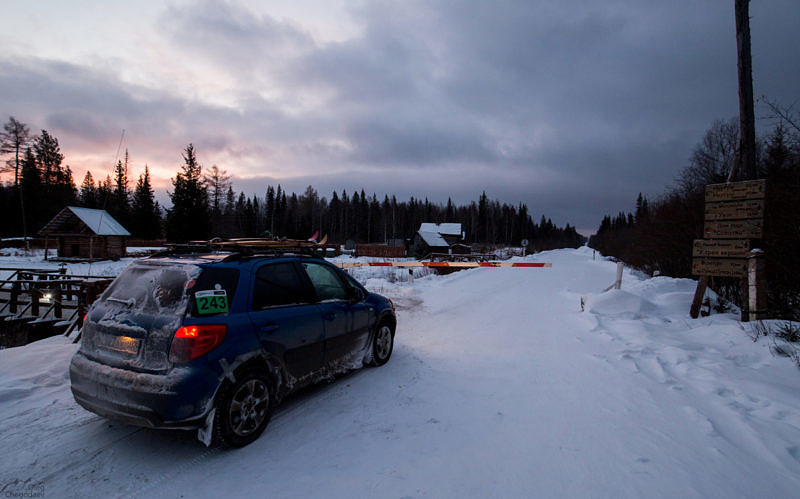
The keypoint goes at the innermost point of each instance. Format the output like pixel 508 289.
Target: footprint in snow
pixel 701 420
pixel 794 451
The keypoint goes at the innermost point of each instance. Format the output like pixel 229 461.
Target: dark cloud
pixel 240 42
pixel 89 109
pixel 571 107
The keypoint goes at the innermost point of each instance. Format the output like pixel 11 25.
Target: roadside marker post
pixel 618 281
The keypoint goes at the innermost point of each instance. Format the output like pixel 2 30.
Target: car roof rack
pixel 247 247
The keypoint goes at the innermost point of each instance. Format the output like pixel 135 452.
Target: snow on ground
pixel 14 258
pixel 498 386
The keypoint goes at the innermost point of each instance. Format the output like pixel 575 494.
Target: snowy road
pixel 499 386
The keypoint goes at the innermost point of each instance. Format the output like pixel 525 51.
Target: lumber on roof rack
pixel 269 243
pixel 248 246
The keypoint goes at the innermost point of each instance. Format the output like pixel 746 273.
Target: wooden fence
pixel 37 303
pixel 380 250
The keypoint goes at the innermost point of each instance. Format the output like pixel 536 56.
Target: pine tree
pixel 104 190
pixel 88 192
pixel 249 219
pixel 641 207
pixel 120 206
pixel 334 217
pixel 450 214
pixel 363 217
pixel 309 206
pixel 67 189
pixel 270 209
pixel 483 218
pixel 394 216
pixel 258 218
pixel 374 219
pixel 282 212
pixel 58 186
pixel 230 201
pixel 239 214
pixel 346 217
pixel 30 188
pixel 293 214
pixel 386 214
pixel 190 215
pixel 146 218
pixel 48 158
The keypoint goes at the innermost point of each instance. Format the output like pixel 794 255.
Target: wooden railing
pixel 45 300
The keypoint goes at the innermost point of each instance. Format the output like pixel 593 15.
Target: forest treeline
pixel 658 235
pixel 204 204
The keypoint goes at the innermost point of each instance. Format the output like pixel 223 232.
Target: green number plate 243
pixel 213 301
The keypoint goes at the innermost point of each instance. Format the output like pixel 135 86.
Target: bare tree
pixel 784 115
pixel 218 182
pixel 13 139
pixel 713 159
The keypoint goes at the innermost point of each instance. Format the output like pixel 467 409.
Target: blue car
pixel 213 341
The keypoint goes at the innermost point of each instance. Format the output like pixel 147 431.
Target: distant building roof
pixel 75 220
pixel 448 229
pixel 433 239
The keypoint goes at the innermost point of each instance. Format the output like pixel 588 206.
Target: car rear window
pixel 221 282
pixel 152 288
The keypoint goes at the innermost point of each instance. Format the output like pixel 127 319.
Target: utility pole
pixel 745 168
pixel 753 285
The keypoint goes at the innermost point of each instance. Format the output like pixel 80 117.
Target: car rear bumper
pixel 177 399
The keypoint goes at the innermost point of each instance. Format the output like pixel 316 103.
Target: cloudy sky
pixel 573 107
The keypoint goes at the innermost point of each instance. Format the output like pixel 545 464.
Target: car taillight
pixel 191 342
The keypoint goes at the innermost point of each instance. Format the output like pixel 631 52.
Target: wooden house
pixel 84 233
pixel 436 238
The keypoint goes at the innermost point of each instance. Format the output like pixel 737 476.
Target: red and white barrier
pixel 349 265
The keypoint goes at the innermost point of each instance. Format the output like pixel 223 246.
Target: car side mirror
pixel 356 295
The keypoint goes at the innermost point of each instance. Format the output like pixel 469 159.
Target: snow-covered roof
pixel 98 221
pixel 448 229
pixel 432 238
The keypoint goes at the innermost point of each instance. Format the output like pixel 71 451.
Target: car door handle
pixel 329 316
pixel 269 328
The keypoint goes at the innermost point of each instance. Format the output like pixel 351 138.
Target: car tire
pixel 243 410
pixel 382 345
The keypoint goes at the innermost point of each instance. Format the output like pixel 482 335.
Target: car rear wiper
pixel 129 302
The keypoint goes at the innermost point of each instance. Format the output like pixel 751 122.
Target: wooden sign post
pixel 734 216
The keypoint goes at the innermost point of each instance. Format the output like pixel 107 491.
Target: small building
pixel 87 234
pixel 436 238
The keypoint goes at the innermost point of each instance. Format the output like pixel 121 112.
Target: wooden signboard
pixel 735 210
pixel 723 267
pixel 734 214
pixel 735 229
pixel 721 248
pixel 736 191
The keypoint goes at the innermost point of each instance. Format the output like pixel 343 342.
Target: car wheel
pixel 243 410
pixel 382 345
